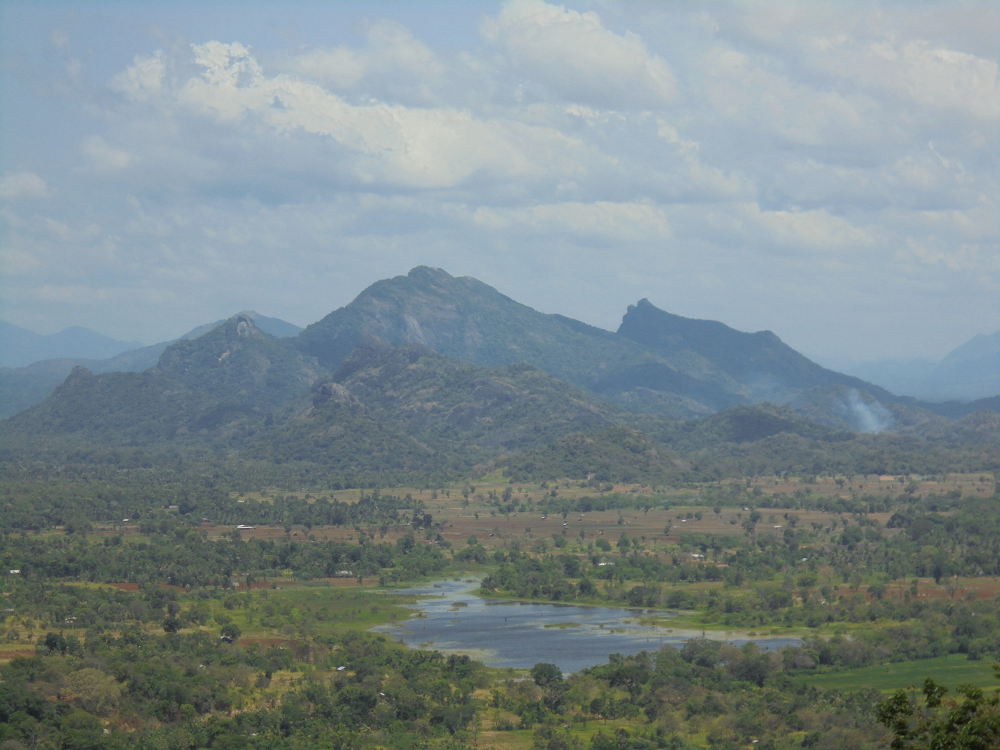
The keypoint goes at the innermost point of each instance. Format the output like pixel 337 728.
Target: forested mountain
pixel 467 320
pixel 238 400
pixel 428 375
pixel 435 396
pixel 656 362
pixel 405 411
pixel 21 387
pixel 765 367
pixel 234 373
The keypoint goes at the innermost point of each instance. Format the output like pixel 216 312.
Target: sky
pixel 827 171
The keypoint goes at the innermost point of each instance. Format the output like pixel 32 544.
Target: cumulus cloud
pixel 394 65
pixel 588 222
pixel 22 185
pixel 718 157
pixel 339 68
pixel 377 143
pixel 573 55
pixel 105 157
pixel 915 70
pixel 143 79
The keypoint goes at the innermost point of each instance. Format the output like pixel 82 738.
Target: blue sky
pixel 828 171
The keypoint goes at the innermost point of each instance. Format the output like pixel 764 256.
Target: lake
pixel 451 618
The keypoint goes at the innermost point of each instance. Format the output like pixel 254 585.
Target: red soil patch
pixel 130 587
pixel 267 584
pixel 986 587
pixel 8 654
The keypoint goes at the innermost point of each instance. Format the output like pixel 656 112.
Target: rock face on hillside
pixel 238 361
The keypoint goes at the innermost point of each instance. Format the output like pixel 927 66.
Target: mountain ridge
pixel 22 387
pixel 656 362
pixel 238 400
pixel 968 373
pixel 20 347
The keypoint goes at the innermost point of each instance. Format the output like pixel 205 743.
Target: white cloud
pixel 393 48
pixel 916 70
pixel 104 156
pixel 601 220
pixel 573 55
pixel 715 157
pixel 395 65
pixel 812 229
pixel 22 185
pixel 392 144
pixel 340 68
pixel 755 97
pixel 143 79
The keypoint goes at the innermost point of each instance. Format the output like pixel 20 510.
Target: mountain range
pixel 20 347
pixel 431 375
pixel 655 363
pixel 25 385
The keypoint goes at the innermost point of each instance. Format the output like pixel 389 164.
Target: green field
pixel 306 610
pixel 950 671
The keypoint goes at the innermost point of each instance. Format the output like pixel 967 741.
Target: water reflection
pixel 520 634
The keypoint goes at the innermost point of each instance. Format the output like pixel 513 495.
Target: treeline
pixel 343 445
pixel 152 497
pixel 188 559
pixel 706 692
pixel 193 690
pixel 359 691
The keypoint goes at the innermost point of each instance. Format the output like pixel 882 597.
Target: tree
pixel 545 674
pixel 172 625
pixel 970 721
pixel 230 632
pixel 81 731
pixel 95 691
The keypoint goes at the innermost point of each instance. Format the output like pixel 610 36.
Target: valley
pixel 213 551
pixel 726 567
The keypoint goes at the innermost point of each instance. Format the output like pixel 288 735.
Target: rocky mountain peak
pixel 427 273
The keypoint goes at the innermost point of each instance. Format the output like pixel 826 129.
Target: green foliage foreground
pixel 189 654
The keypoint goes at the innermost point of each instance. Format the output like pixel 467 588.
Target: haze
pixel 826 171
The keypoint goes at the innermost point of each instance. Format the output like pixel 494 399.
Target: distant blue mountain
pixel 20 347
pixel 969 372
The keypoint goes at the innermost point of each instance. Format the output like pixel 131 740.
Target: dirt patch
pixel 269 642
pixel 959 588
pixel 8 654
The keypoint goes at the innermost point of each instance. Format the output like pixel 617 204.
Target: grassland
pixel 951 671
